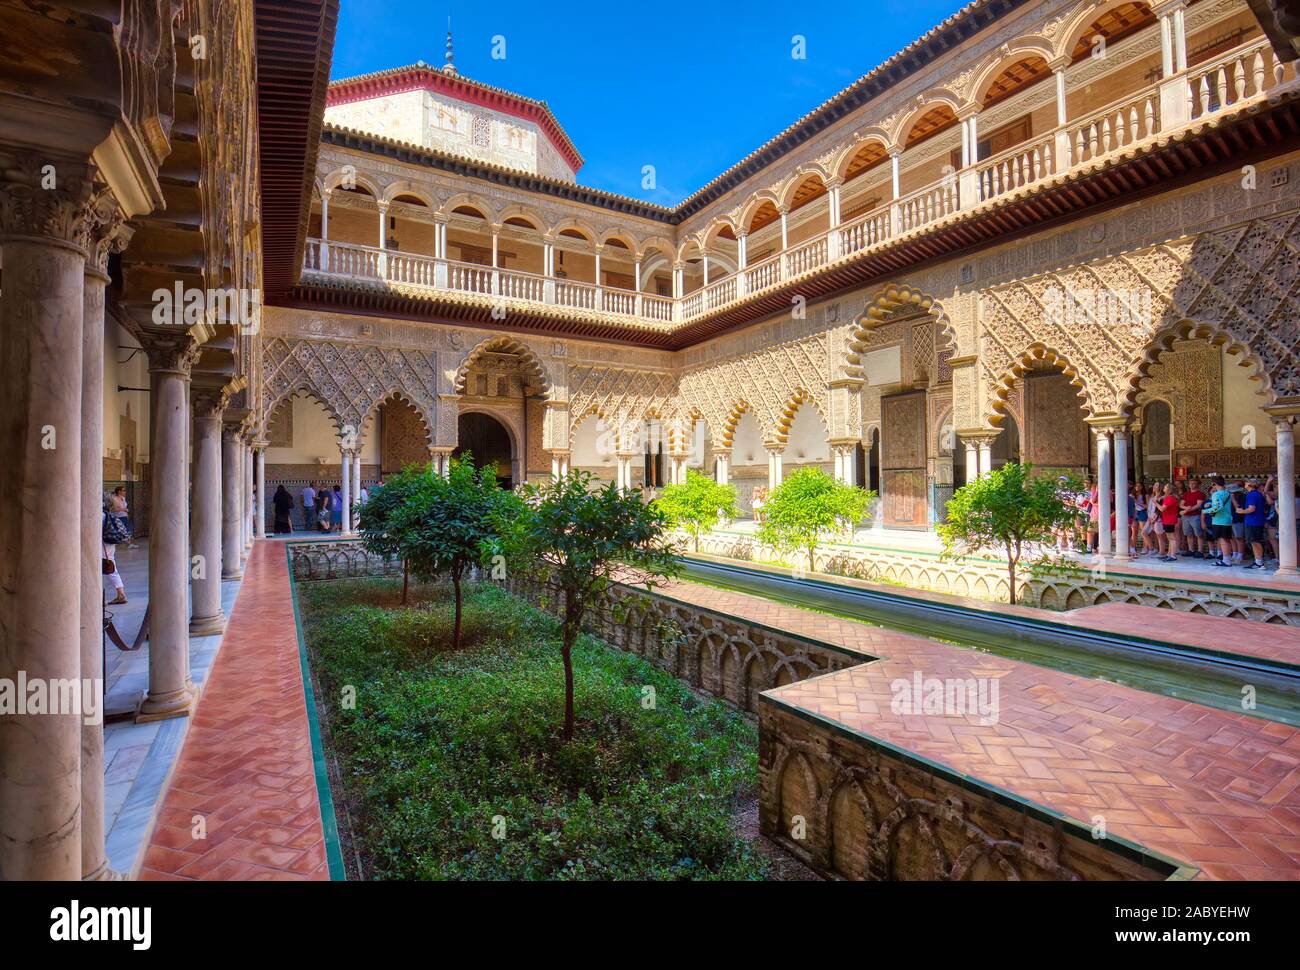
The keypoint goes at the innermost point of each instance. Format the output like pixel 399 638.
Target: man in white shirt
pixel 308 506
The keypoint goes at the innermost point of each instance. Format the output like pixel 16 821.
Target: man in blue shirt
pixel 1254 510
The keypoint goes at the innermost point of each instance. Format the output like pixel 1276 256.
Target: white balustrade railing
pixel 347 259
pixel 522 286
pixel 1250 71
pixel 1239 75
pixel 416 270
pixel 763 274
pixel 1115 126
pixel 1015 168
pixel 720 293
pixel 656 307
pixel 864 231
pixel 808 256
pixel 469 277
pixel 618 301
pixel 572 293
pixel 933 202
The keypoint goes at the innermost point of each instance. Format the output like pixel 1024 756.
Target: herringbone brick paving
pixel 1213 789
pixel 245 771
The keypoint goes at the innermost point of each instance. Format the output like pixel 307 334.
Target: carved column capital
pixel 46 200
pixel 176 353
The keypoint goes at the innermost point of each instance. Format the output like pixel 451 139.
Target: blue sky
pixel 688 89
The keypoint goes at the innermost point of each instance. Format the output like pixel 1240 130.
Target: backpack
pixel 114 531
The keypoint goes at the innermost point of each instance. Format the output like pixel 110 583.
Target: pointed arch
pixel 421 409
pixel 532 365
pixel 782 422
pixel 306 387
pixel 1184 328
pixel 1002 385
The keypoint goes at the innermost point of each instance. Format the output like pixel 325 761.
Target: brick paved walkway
pixel 246 766
pixel 1266 641
pixel 1215 790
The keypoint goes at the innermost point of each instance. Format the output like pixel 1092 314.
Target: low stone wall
pixel 337 559
pixel 987 579
pixel 733 659
pixel 851 808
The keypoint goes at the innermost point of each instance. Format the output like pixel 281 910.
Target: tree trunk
pixel 1011 568
pixel 812 565
pixel 455 633
pixel 568 680
pixel 405 580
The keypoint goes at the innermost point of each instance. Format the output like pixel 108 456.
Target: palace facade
pixel 1057 231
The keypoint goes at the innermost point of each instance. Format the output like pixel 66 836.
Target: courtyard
pixel 904 494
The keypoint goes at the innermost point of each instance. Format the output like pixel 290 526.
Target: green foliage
pixel 808 507
pixel 697 505
pixel 1006 510
pixel 578 538
pixel 443 742
pixel 440 526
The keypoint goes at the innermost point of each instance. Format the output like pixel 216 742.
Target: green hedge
pixel 442 745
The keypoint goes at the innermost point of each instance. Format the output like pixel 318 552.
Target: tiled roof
pixel 422 71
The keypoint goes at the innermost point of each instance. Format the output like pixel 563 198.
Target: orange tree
pixel 1008 510
pixel 576 539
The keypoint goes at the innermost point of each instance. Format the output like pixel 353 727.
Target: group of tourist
pixel 1227 522
pixel 322 507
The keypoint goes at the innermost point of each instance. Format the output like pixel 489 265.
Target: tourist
pixel 114 532
pixel 336 509
pixel 1190 509
pixel 1221 521
pixel 1254 515
pixel 1169 504
pixel 117 508
pixel 1273 549
pixel 1139 520
pixel 1237 492
pixel 308 505
pixel 283 503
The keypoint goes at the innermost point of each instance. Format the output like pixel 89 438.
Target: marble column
pixel 232 540
pixel 1286 520
pixel 94 863
pixel 986 456
pixel 356 483
pixel 248 500
pixel 171 692
pixel 1103 491
pixel 41 378
pixel 345 469
pixel 723 466
pixel 207 617
pixel 774 473
pixel 1121 493
pixel 105 237
pixel 259 472
pixel 972 460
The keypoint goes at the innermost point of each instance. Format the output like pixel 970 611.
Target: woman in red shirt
pixel 1169 508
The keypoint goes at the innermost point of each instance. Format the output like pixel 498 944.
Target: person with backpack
pixel 114 532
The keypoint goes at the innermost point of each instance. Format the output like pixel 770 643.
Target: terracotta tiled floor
pixel 246 767
pixel 1216 790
